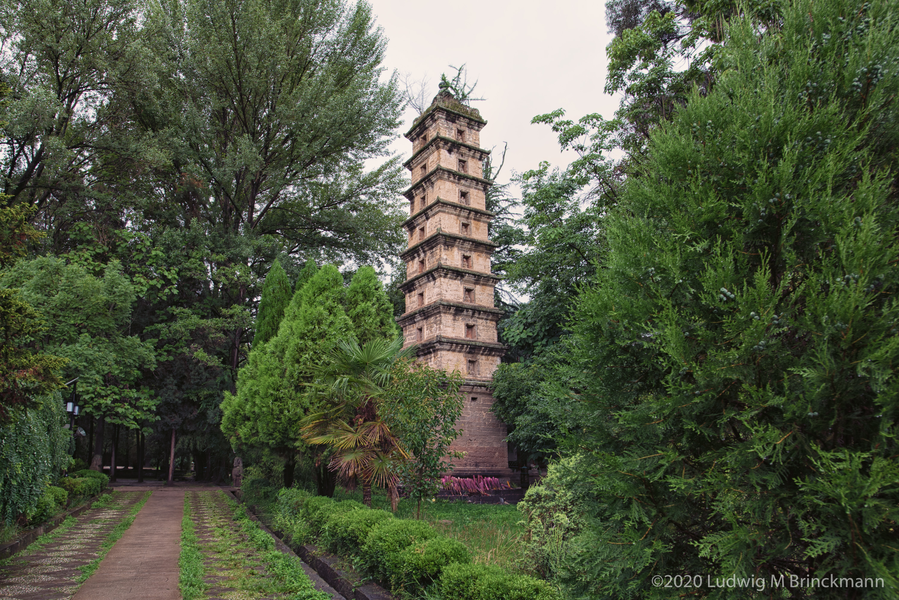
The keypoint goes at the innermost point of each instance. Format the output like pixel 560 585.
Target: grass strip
pixel 285 569
pixel 114 535
pixel 190 562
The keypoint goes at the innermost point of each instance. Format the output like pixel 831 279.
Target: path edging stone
pixel 27 538
pixel 327 566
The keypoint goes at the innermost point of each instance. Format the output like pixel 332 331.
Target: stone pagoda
pixel 449 286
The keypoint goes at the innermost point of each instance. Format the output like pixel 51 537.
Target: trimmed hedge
pixel 382 552
pixel 409 556
pixel 83 486
pixel 92 473
pixel 487 582
pixel 423 563
pixel 53 499
pixel 345 532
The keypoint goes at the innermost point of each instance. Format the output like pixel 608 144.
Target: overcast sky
pixel 528 58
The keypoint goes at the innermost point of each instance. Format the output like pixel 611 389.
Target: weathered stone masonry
pixel 449 284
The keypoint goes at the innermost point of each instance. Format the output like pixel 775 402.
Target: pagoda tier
pixel 449 287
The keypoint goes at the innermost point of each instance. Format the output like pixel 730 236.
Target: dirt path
pixel 51 572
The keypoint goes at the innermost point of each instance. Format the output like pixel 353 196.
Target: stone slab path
pixel 143 565
pixel 51 572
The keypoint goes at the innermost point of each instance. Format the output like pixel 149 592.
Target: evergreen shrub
pixel 553 514
pixel 345 532
pixel 53 499
pixel 92 474
pixel 83 487
pixel 287 515
pixel 291 500
pixel 382 552
pixel 59 495
pixel 422 563
pixel 487 582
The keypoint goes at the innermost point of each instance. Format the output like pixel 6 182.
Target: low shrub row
pixel 84 483
pixel 53 500
pixel 408 556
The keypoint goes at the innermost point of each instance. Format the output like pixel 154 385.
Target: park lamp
pixel 72 405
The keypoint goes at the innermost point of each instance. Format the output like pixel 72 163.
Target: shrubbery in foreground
pixel 408 556
pixel 734 361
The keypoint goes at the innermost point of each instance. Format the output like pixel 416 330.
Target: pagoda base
pixel 483 437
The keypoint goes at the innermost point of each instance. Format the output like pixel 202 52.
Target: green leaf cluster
pixel 732 364
pixel 91 317
pixel 34 449
pixel 275 389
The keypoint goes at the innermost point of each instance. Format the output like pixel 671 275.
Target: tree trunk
pixel 127 447
pixel 366 493
pixel 325 480
pixel 115 439
pixel 90 442
pixel 97 458
pixel 289 465
pixel 140 455
pixel 171 480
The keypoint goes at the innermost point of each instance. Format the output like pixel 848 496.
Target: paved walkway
pixel 143 565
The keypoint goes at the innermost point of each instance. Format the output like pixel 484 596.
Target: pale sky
pixel 527 57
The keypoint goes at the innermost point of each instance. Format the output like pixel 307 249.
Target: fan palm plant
pixel 353 384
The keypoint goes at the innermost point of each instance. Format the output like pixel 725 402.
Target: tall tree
pixel 368 307
pixel 91 318
pixel 276 295
pixel 61 62
pixel 272 393
pixel 25 371
pixel 734 360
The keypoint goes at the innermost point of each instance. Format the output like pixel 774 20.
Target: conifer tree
pixel 735 358
pixel 275 298
pixel 369 308
pixel 272 395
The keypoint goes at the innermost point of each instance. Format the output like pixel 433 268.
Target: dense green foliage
pixel 421 407
pixel 409 556
pixel 129 136
pixel 53 500
pixel 34 450
pixel 731 368
pixel 91 318
pixel 276 295
pixel 24 372
pixel 484 582
pixel 369 309
pixel 351 387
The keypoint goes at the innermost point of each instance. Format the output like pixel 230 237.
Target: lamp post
pixel 72 406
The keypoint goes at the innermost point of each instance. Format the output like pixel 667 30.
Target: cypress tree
pixel 308 272
pixel 369 308
pixel 740 344
pixel 271 389
pixel 276 296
